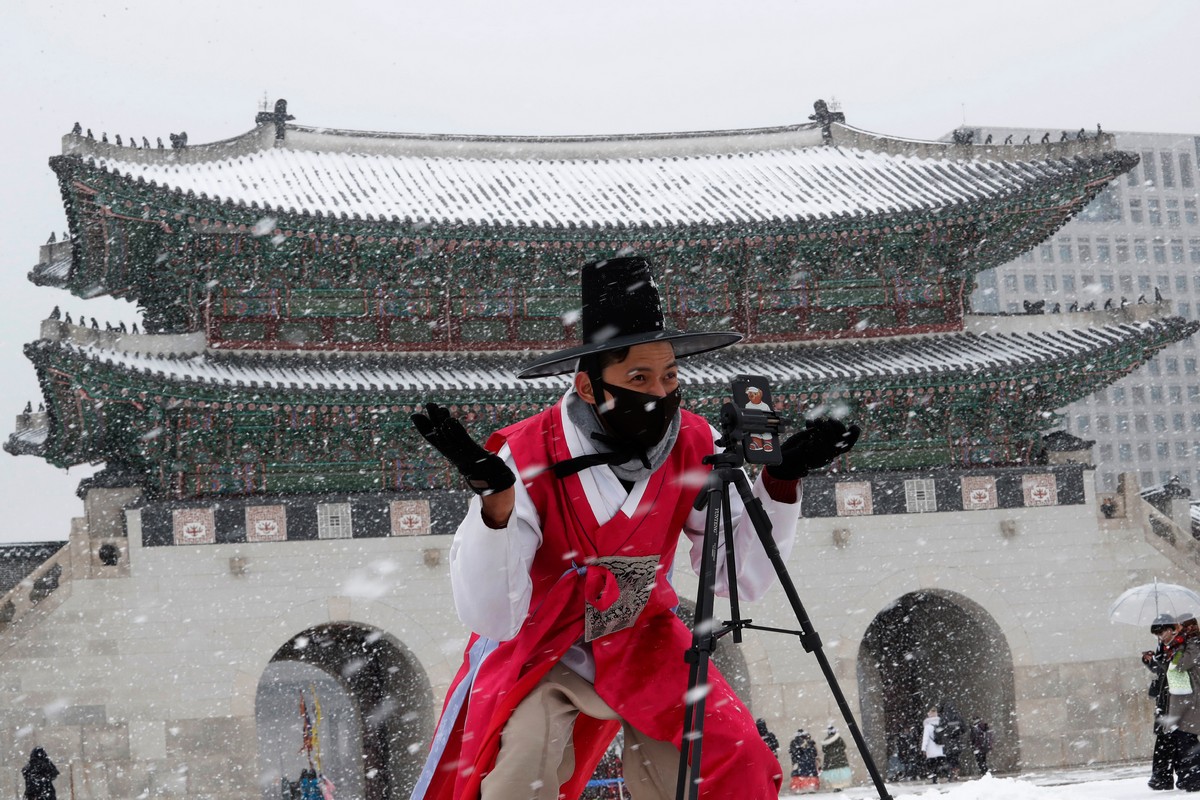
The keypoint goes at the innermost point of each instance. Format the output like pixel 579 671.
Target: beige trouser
pixel 537 754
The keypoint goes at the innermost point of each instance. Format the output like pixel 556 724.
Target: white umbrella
pixel 1141 604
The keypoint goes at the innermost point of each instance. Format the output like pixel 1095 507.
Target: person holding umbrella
pixel 1165 763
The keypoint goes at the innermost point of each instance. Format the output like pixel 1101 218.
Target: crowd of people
pixel 1175 667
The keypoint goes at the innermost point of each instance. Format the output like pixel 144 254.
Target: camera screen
pixel 757 419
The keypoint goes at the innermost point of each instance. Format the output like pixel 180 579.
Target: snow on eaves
pixel 798 183
pixel 961 356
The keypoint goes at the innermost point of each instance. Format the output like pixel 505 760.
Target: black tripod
pixel 727 471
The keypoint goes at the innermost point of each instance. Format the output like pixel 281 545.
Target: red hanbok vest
pixel 640 671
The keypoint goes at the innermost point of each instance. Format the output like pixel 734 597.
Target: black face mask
pixel 636 418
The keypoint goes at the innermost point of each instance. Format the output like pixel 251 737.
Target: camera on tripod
pixel 751 421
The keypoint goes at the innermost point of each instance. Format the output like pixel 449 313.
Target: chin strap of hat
pixel 619 454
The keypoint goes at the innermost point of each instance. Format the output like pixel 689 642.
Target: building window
pixel 1102 425
pixel 1196 422
pixel 1135 211
pixel 1156 394
pixel 1189 366
pixel 1106 283
pixel 1164 281
pixel 1103 253
pixel 1140 252
pixel 1125 452
pixel 1118 395
pixel 1105 452
pixel 1168 168
pixel 1194 256
pixel 1160 251
pixel 1172 365
pixel 1122 251
pixel 1148 172
pixel 1143 283
pixel 1027 257
pixel 1087 280
pixel 1160 423
pixel 1083 423
pixel 1010 282
pixel 1138 394
pixel 919 496
pixel 1181 283
pixel 1177 255
pixel 1064 252
pixel 1143 451
pixel 1162 450
pixel 1122 423
pixel 1140 424
pixel 1050 283
pixel 1189 212
pixel 1177 423
pixel 1153 367
pixel 333 521
pixel 1127 284
pixel 1173 213
pixel 1146 476
pixel 1152 212
pixel 1184 310
pixel 1068 283
pixel 1193 394
pixel 1030 282
pixel 1047 252
pixel 1131 177
pixel 1185 171
pixel 1181 449
pixel 1175 395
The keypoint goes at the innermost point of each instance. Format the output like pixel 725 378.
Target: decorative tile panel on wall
pixel 979 492
pixel 1040 490
pixel 194 526
pixel 854 499
pixel 410 517
pixel 266 523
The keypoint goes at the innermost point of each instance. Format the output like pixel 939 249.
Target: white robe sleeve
pixel 755 572
pixel 490 567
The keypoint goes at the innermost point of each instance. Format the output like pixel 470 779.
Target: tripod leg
pixel 809 637
pixel 704 637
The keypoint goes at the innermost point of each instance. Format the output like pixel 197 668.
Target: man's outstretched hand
pixel 822 442
pixel 486 472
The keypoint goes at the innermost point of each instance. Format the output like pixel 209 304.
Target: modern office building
pixel 1137 242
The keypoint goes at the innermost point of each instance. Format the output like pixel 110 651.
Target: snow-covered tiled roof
pixel 956 356
pixel 668 180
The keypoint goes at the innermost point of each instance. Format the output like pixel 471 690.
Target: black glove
pixel 822 441
pixel 485 472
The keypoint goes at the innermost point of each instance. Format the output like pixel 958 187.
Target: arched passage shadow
pixel 384 687
pixel 926 648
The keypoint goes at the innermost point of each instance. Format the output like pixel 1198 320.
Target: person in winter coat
pixel 981 744
pixel 954 730
pixel 935 755
pixel 835 774
pixel 564 576
pixel 803 752
pixel 39 775
pixel 1182 675
pixel 1164 763
pixel 769 739
pixel 310 789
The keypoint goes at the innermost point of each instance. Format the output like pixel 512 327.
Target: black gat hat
pixel 622 308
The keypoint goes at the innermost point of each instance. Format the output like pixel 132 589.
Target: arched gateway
pixel 375 700
pixel 928 647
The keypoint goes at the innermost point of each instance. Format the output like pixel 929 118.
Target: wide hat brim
pixel 685 344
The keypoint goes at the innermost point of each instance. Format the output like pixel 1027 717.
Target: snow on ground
pixel 1123 782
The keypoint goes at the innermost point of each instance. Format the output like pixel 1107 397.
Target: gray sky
pixel 913 69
